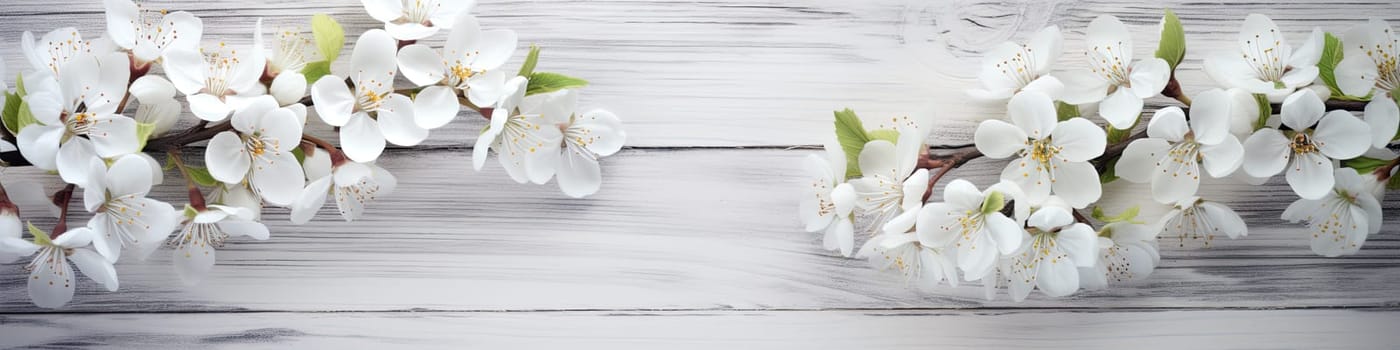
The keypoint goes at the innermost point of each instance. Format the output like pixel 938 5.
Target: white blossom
pixel 1011 68
pixel 218 81
pixel 1117 82
pixel 1175 151
pixel 1307 151
pixel 1340 220
pixel 827 201
pixel 373 113
pixel 77 118
pixel 51 278
pixel 259 150
pixel 206 230
pixel 1371 66
pixel 1053 156
pixel 122 215
pixel 1196 219
pixel 525 140
pixel 1264 62
pixel 470 61
pixel 149 35
pixel 416 19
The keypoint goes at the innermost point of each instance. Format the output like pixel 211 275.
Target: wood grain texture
pixel 1293 329
pixel 767 72
pixel 674 230
pixel 694 241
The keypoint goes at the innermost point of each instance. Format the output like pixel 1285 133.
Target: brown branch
pixel 61 199
pixel 196 133
pixel 945 163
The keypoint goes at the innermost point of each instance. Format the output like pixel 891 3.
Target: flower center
pixel 460 74
pixel 823 191
pixel 1265 56
pixel 1182 160
pixel 291 51
pixel 257 146
pixel 370 100
pixel 63 50
pixel 1018 67
pixel 1107 62
pixel 1384 55
pixel 198 234
pixel 1042 150
pixel 154 28
pixel 1302 144
pixel 80 123
pixel 419 11
pixel 221 67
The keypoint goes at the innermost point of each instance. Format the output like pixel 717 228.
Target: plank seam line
pixel 1388 307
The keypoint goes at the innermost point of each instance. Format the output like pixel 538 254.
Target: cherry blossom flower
pixel 1054 157
pixel 588 137
pixel 1196 219
pixel 157 105
pixel 902 252
pixel 970 221
pixel 373 113
pixel 828 201
pixel 889 184
pixel 1340 220
pixel 470 61
pixel 76 117
pixel 1172 155
pixel 1308 149
pixel 149 35
pixel 1011 68
pixel 259 149
pixel 48 54
pixel 51 278
pixel 524 141
pixel 1051 257
pixel 218 81
pixel 123 216
pixel 206 230
pixel 1264 62
pixel 352 184
pixel 1128 253
pixel 1118 81
pixel 284 64
pixel 1371 64
pixel 416 19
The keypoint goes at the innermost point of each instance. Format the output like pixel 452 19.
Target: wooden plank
pixel 1293 329
pixel 743 72
pixel 671 229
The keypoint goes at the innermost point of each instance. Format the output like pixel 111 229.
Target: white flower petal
pixel 96 267
pixel 40 144
pixel 278 178
pixel 410 31
pixel 1356 73
pixel 877 157
pixel 1149 77
pixel 333 100
pixel 208 107
pixel 310 201
pixel 1224 158
pixel 1057 276
pixel 1031 176
pixel 1224 219
pixel 186 69
pixel 397 122
pixel 51 282
pixel 937 224
pixel 1079 140
pixel 1168 124
pixel 1266 153
pixel 1121 108
pixel 435 106
pixel 1005 232
pixel 121 15
pixel 151 88
pixel 192 261
pixel 288 88
pixel 1384 118
pixel 421 64
pixel 1310 175
pixel 1337 135
pixel 361 139
pixel 383 10
pixel 73 161
pixel 1034 113
pixel 1139 160
pixel 608 136
pixel 1210 116
pixel 1302 109
pixel 578 174
pixel 1076 182
pixel 1107 34
pixel 999 139
pixel 374 56
pixel 496 48
pixel 227 158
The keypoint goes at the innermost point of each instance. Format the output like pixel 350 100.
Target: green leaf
pixel 40 237
pixel 299 154
pixel 545 82
pixel 1066 111
pixel 10 116
pixel 994 202
pixel 1265 111
pixel 201 176
pixel 1172 47
pixel 1126 216
pixel 330 37
pixel 1365 164
pixel 1327 67
pixel 850 132
pixel 22 118
pixel 531 60
pixel 19 86
pixel 1108 176
pixel 315 70
pixel 1393 184
pixel 890 135
pixel 143 133
pixel 190 212
pixel 169 162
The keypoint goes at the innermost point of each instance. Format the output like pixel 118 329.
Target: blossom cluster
pixel 68 115
pixel 1282 105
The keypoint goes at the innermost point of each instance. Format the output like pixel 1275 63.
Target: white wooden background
pixel 693 241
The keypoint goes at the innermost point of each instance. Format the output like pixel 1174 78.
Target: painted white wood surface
pixel 1290 329
pixel 704 243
